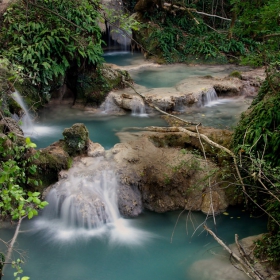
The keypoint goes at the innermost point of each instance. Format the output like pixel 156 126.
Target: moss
pixel 235 74
pixel 76 139
pixel 51 161
pixel 93 86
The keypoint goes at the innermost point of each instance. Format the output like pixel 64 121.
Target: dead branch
pixel 209 181
pixel 12 243
pixel 194 11
pixel 247 269
pixel 245 257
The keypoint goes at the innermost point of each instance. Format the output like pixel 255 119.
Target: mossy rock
pixel 93 86
pixel 51 161
pixel 76 139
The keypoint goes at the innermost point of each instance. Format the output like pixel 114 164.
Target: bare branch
pixel 247 269
pixel 194 11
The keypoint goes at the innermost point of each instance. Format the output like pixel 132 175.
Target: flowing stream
pixel 81 234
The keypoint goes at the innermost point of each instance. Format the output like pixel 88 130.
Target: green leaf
pixel 30 215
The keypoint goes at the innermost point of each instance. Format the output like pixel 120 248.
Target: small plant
pixel 235 74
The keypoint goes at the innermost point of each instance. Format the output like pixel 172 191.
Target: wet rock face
pixel 76 139
pixel 130 201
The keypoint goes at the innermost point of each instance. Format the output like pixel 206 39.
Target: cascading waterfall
pixel 138 108
pixel 26 121
pixel 85 204
pixel 210 97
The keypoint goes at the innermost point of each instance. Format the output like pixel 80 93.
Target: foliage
pixel 47 37
pixel 257 142
pixel 123 21
pixel 16 171
pixel 16 202
pixel 259 21
pixel 262 124
pixel 180 38
pixel 183 34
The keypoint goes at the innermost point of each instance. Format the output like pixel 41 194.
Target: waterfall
pixel 85 205
pixel 210 97
pixel 85 202
pixel 26 121
pixel 117 38
pixel 138 108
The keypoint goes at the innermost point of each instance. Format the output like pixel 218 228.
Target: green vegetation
pixel 16 174
pixel 225 31
pixel 49 43
pixel 49 37
pixel 257 143
pixel 17 200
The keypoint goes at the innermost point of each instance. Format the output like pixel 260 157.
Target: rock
pixel 76 139
pixel 94 86
pixel 95 149
pixel 189 91
pixel 128 101
pixel 167 178
pixel 214 200
pixel 8 125
pixel 215 268
pixel 51 161
pixel 180 139
pixel 130 200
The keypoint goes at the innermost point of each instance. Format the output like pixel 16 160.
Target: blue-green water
pixel 148 253
pixel 102 128
pixel 122 58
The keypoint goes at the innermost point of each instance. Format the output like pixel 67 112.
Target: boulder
pixel 94 86
pixel 95 149
pixel 51 161
pixel 76 139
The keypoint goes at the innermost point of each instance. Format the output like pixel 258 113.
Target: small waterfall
pixel 138 108
pixel 209 98
pixel 84 202
pixel 85 205
pixel 26 121
pixel 117 38
pixel 179 104
pixel 109 106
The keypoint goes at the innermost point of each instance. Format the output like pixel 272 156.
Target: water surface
pixel 158 248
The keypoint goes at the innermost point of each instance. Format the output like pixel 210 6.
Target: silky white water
pixel 25 120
